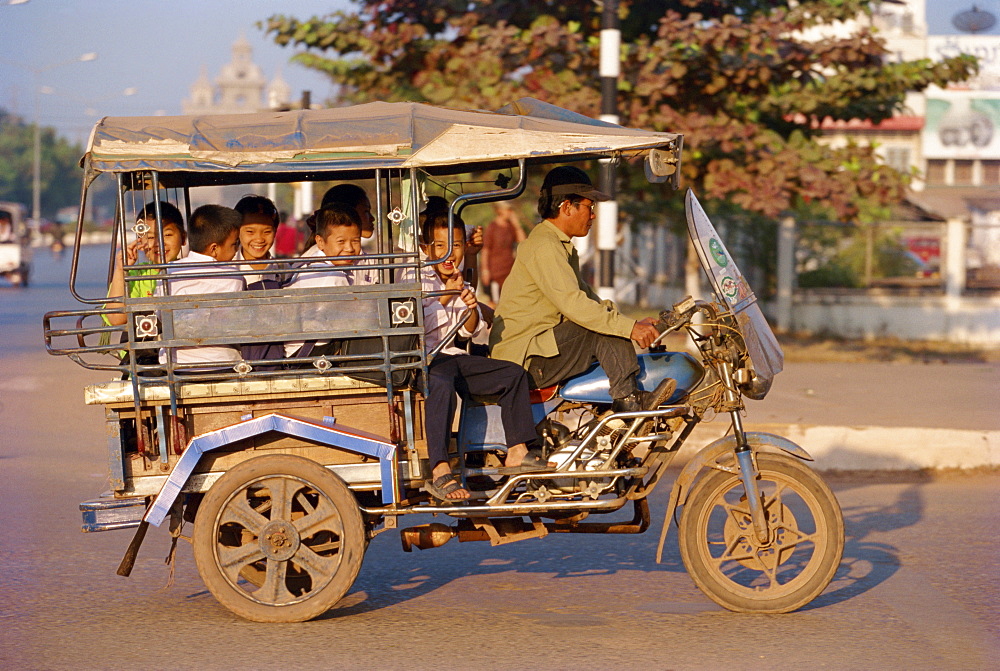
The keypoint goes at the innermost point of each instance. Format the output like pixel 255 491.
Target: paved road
pixel 918 587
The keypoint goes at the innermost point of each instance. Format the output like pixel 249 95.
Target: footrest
pixel 108 514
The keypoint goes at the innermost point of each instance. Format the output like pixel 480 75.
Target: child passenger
pixel 453 370
pixel 149 245
pixel 354 197
pixel 338 233
pixel 213 233
pixel 260 223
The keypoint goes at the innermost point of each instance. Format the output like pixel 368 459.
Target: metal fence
pixel 893 256
pixel 896 255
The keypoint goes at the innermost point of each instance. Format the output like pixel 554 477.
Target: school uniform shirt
pixel 366 274
pixel 361 275
pixel 214 354
pixel 311 253
pixel 440 319
pixel 251 275
pixel 326 275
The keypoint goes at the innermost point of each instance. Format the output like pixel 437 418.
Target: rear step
pixel 108 514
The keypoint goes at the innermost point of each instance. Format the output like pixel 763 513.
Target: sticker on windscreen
pixel 718 253
pixel 730 288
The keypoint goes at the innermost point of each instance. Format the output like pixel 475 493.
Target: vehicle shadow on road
pixel 867 563
pixel 390 577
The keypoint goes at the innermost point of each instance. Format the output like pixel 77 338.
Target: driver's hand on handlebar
pixel 644 333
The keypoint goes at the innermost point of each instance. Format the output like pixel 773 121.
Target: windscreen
pixel 731 288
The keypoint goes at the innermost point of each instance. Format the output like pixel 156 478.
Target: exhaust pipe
pixel 426 536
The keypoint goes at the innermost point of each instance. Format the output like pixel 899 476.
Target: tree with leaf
pixel 737 77
pixel 59 173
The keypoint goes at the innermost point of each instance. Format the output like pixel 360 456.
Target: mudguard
pixel 327 433
pixel 758 441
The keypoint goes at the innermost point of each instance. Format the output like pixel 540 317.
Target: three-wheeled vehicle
pixel 288 467
pixel 15 244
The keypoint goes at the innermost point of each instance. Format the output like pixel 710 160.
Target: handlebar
pixel 680 315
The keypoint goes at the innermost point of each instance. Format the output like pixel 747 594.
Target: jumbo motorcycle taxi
pixel 288 468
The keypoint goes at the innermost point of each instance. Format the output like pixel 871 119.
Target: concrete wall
pixel 971 320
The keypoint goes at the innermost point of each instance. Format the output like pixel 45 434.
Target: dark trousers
pixel 467 375
pixel 578 349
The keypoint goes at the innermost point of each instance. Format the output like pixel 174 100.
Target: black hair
pixel 169 214
pixel 346 194
pixel 548 205
pixel 334 214
pixel 440 220
pixel 212 224
pixel 436 205
pixel 254 204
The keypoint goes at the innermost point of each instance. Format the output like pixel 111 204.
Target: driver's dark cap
pixel 568 180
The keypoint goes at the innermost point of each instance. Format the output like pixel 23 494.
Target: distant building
pixel 950 136
pixel 240 87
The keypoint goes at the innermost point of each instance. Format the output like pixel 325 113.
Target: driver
pixel 550 321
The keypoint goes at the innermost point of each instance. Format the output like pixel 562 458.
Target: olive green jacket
pixel 544 288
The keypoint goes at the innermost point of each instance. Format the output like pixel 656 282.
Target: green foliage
pixel 736 77
pixel 829 258
pixel 60 171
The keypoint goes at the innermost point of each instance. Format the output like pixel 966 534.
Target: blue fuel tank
pixel 593 386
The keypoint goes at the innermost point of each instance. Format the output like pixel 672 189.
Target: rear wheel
pixel 792 567
pixel 279 539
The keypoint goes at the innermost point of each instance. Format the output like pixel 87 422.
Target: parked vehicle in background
pixel 15 244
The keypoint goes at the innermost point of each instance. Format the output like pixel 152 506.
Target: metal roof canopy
pixel 284 146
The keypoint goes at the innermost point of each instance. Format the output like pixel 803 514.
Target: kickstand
pixel 128 561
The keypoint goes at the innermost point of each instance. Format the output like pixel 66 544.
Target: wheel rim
pixel 788 558
pixel 282 536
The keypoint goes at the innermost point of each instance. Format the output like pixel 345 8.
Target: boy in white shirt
pixel 355 198
pixel 454 370
pixel 338 233
pixel 212 236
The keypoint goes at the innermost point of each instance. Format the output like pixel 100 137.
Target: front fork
pixel 744 457
pixel 748 474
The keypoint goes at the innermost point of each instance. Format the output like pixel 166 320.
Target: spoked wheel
pixel 279 539
pixel 792 567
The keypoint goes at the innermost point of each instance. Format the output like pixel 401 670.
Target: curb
pixel 872 448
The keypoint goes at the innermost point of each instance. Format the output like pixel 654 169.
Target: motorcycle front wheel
pixel 792 567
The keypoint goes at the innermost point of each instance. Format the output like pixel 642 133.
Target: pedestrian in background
pixel 288 238
pixel 500 241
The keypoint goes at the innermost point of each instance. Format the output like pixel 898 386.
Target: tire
pixel 278 539
pixel 728 564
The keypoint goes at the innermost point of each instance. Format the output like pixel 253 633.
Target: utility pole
pixel 36 162
pixel 304 191
pixel 607 212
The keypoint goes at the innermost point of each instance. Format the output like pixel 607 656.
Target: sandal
pixel 533 462
pixel 442 486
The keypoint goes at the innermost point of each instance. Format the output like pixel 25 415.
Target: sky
pixel 155 46
pixel 941 12
pixel 159 46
